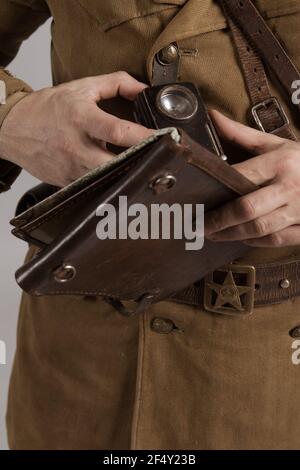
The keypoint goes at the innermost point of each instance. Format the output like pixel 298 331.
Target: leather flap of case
pixel 47 212
pixel 78 262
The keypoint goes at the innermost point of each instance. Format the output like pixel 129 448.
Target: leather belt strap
pixel 274 283
pixel 237 289
pixel 254 27
pixel 165 71
pixel 267 111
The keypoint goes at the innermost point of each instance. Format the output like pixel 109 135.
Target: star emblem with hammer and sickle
pixel 229 292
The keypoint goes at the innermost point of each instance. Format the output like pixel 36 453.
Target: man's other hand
pixel 270 216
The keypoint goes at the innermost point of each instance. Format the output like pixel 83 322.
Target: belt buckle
pixel 234 294
pixel 263 105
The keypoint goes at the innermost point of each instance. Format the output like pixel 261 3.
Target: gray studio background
pixel 32 65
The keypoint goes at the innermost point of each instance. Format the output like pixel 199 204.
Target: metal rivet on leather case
pixel 284 284
pixel 163 183
pixel 64 273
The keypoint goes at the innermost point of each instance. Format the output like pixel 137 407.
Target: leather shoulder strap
pixel 254 27
pixel 267 111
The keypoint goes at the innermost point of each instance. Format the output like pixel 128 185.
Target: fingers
pixel 271 223
pixel 115 84
pixel 287 237
pixel 245 209
pixel 104 126
pixel 101 125
pixel 260 170
pixel 251 139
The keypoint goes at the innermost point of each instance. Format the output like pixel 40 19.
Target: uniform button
pixel 168 55
pixel 295 332
pixel 162 325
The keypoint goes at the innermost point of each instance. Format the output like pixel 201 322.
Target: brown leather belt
pixel 236 288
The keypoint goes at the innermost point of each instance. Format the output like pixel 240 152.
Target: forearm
pixel 8 170
pixel 18 20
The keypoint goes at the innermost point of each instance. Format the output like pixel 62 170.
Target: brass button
pixel 284 283
pixel 64 273
pixel 168 55
pixel 162 325
pixel 295 332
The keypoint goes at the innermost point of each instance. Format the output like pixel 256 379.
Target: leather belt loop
pixel 166 65
pixel 266 110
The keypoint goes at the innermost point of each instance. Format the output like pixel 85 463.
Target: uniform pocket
pixel 113 13
pixel 274 8
pixel 171 2
pixel 211 17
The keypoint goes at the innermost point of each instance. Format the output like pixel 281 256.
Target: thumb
pixel 254 141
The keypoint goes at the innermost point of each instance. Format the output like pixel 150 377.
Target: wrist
pixel 5 109
pixel 11 101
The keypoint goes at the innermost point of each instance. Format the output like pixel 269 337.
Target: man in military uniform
pixel 176 376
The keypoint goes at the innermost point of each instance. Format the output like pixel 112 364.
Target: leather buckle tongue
pixel 230 290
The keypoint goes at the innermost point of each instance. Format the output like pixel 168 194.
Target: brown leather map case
pixel 72 259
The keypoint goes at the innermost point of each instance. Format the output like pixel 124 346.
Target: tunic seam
pixel 139 383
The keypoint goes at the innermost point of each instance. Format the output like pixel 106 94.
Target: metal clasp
pixel 264 105
pixel 230 290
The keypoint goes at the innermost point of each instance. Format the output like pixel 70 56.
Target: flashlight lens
pixel 177 102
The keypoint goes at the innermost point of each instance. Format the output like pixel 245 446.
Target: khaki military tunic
pixel 84 376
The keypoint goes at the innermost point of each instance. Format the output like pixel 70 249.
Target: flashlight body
pixel 153 109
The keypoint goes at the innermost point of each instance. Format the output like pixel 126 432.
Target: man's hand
pixel 58 134
pixel 269 216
